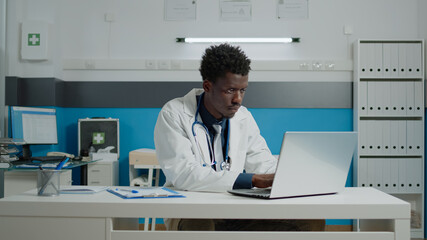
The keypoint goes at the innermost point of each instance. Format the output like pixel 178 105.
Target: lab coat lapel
pixel 236 158
pixel 190 107
pixel 202 142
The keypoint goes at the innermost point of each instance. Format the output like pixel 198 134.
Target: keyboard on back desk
pixel 48 158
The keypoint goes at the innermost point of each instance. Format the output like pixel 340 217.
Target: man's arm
pixel 259 159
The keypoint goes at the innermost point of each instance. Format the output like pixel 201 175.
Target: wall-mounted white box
pixel 34 40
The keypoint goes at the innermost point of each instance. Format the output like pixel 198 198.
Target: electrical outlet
pixel 90 64
pixel 317 65
pixel 329 65
pixel 109 17
pixel 175 64
pixel 163 64
pixel 348 30
pixel 150 64
pixel 304 66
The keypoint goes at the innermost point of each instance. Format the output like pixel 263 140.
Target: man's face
pixel 224 97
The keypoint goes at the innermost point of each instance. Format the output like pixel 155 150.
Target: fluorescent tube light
pixel 237 40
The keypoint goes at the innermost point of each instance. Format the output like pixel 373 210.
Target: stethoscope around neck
pixel 225 164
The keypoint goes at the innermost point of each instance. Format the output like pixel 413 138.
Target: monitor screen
pixel 34 125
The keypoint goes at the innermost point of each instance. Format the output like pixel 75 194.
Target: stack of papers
pixel 143 192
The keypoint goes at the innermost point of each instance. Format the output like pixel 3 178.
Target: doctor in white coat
pixel 183 145
pixel 207 141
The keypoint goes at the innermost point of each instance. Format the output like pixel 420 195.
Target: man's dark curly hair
pixel 223 58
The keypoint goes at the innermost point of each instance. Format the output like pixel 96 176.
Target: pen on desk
pixel 62 163
pixel 127 190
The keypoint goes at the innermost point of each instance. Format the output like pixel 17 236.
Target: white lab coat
pixel 179 158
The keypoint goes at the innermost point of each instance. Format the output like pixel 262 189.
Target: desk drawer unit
pixel 103 174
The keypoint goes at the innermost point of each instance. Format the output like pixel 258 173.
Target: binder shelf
pixel 389 118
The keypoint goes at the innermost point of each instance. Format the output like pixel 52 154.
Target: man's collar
pixel 207 117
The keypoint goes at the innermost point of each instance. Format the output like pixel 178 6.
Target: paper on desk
pixel 82 189
pixel 146 192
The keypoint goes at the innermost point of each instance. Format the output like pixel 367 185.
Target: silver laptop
pixel 310 163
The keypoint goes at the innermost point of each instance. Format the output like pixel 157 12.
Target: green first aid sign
pixel 98 138
pixel 33 39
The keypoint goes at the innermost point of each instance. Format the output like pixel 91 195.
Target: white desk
pixel 27 216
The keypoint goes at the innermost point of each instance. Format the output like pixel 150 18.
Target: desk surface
pixel 352 203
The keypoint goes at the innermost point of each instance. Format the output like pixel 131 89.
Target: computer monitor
pixel 34 126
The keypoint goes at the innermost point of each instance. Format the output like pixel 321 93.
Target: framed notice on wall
pixel 180 10
pixel 236 10
pixel 292 9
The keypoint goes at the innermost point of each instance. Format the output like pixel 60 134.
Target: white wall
pixel 139 32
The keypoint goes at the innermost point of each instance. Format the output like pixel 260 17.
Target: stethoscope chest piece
pixel 226 165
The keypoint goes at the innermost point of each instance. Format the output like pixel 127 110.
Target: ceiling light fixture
pixel 237 40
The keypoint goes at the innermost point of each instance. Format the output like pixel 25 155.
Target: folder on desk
pixel 144 192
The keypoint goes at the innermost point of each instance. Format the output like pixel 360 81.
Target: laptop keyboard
pixel 259 192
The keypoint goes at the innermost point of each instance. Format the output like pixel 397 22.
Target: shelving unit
pixel 389 117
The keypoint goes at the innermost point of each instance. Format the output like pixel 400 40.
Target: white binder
pixel 363 172
pixel 378 137
pixel 387 51
pixel 402 175
pixel 386 173
pixel 410 99
pixel 394 175
pixel 386 148
pixel 394 62
pixel 371 97
pixel 370 133
pixel 378 173
pixel 386 98
pixel 371 172
pixel 394 137
pixel 401 98
pixel 402 136
pixel 363 98
pixel 418 98
pixel 379 99
pixel 394 101
pixel 413 59
pixel 370 60
pixel 418 62
pixel 363 61
pixel 363 137
pixel 378 62
pixel 418 172
pixel 413 174
pixel 410 137
pixel 402 60
pixel 418 137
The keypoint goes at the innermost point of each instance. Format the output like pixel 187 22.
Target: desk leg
pixel 146 222
pixel 153 224
pixel 83 175
pixel 150 177
pixel 1 183
pixel 157 176
pixel 402 229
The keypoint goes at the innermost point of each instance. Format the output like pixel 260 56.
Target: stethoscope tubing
pixel 226 163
